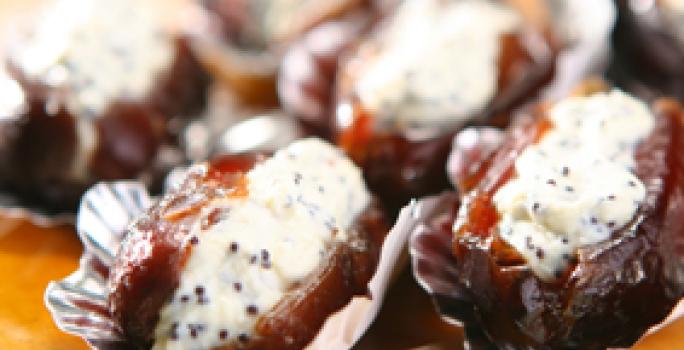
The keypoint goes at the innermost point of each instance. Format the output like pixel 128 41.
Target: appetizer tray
pixel 346 174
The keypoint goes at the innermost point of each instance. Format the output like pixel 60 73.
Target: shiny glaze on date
pixel 152 256
pixel 648 52
pixel 614 291
pixel 397 168
pixel 40 144
pixel 148 268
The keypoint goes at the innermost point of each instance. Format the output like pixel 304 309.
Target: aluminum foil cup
pixel 78 303
pixel 433 262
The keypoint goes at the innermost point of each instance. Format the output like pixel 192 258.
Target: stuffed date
pixel 93 86
pixel 429 69
pixel 567 236
pixel 248 253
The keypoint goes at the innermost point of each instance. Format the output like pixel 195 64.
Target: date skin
pixel 397 168
pixel 616 290
pixel 310 94
pixel 40 144
pixel 648 53
pixel 148 267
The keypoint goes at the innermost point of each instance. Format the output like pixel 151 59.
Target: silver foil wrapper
pixel 78 303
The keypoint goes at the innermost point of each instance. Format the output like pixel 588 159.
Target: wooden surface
pixel 31 256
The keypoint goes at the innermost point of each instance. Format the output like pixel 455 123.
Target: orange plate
pixel 31 256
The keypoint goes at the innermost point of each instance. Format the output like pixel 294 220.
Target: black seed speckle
pixel 243 338
pixel 611 224
pixel 184 298
pixel 569 189
pixel 535 206
pixel 199 290
pixel 195 329
pixel 540 253
pixel 321 189
pixel 528 243
pixel 223 334
pixel 551 182
pixel 252 310
pixel 237 286
pixel 265 255
pixel 234 247
pixel 594 220
pixel 564 240
pixel 173 333
pixel 611 197
pixel 565 171
pixel 253 259
pixel 631 183
pixel 297 178
pixel 194 240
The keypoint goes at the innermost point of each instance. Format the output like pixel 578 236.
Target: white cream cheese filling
pixel 99 50
pixel 577 184
pixel 299 202
pixel 437 63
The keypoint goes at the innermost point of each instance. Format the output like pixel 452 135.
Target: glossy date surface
pixel 648 49
pixel 150 261
pixel 398 167
pixel 613 292
pixel 47 159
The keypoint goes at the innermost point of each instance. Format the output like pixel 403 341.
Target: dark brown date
pixel 142 280
pixel 648 52
pixel 398 168
pixel 615 290
pixel 41 142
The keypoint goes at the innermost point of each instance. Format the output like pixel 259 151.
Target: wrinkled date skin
pixel 39 145
pixel 648 53
pixel 397 168
pixel 615 290
pixel 148 266
pixel 309 94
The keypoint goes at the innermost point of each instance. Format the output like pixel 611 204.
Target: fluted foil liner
pixel 78 303
pixel 434 268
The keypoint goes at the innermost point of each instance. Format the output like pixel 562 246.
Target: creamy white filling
pixel 577 184
pixel 299 202
pixel 99 50
pixel 437 62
